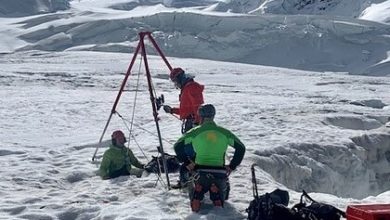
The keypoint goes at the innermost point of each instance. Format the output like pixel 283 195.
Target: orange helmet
pixel 175 72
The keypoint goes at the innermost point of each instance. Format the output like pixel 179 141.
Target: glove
pixel 190 166
pixel 167 109
pixel 228 170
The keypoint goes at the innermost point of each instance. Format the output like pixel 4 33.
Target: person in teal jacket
pixel 209 143
pixel 118 160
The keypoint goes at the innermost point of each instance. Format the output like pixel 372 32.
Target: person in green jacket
pixel 117 160
pixel 209 143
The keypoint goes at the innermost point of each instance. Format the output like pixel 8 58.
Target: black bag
pixel 156 164
pixel 273 206
pixel 317 210
pixel 270 206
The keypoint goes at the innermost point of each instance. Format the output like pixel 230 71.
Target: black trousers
pixel 216 184
pixel 187 125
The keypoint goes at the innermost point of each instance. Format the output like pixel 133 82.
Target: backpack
pixel 273 206
pixel 317 210
pixel 270 206
pixel 156 164
pixel 265 207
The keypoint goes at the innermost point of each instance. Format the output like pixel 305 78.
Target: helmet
pixel 207 111
pixel 118 137
pixel 117 134
pixel 175 72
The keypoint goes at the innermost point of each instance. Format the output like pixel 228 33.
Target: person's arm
pixel 104 170
pixel 185 106
pixel 133 160
pixel 238 153
pixel 175 111
pixel 196 97
pixel 180 150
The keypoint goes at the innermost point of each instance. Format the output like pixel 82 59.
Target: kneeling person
pixel 209 142
pixel 117 160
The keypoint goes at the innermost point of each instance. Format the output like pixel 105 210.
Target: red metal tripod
pixel 141 48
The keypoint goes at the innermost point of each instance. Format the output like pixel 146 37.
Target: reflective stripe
pixel 212 171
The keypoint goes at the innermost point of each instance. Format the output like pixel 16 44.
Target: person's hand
pixel 228 170
pixel 167 109
pixel 190 166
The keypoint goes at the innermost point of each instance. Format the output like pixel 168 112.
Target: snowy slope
pixel 377 12
pixel 308 42
pixel 347 8
pixel 323 132
pixel 19 8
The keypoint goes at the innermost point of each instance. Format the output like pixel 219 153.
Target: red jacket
pixel 191 97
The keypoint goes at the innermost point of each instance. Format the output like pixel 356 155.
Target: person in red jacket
pixel 191 97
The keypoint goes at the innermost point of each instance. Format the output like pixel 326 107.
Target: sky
pixel 306 93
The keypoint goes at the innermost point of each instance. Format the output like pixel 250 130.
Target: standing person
pixel 209 142
pixel 191 97
pixel 117 160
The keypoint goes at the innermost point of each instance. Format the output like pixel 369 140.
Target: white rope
pixel 135 102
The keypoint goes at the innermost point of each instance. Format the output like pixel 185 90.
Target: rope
pixel 158 162
pixel 159 179
pixel 142 151
pixel 135 102
pixel 155 95
pixel 177 117
pixel 140 127
pixel 130 129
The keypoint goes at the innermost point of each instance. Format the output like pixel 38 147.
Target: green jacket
pixel 210 142
pixel 117 159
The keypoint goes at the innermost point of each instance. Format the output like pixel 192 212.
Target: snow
pixel 345 8
pixel 307 42
pixel 306 93
pixel 20 8
pixel 377 12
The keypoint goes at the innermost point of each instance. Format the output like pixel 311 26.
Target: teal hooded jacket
pixel 117 159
